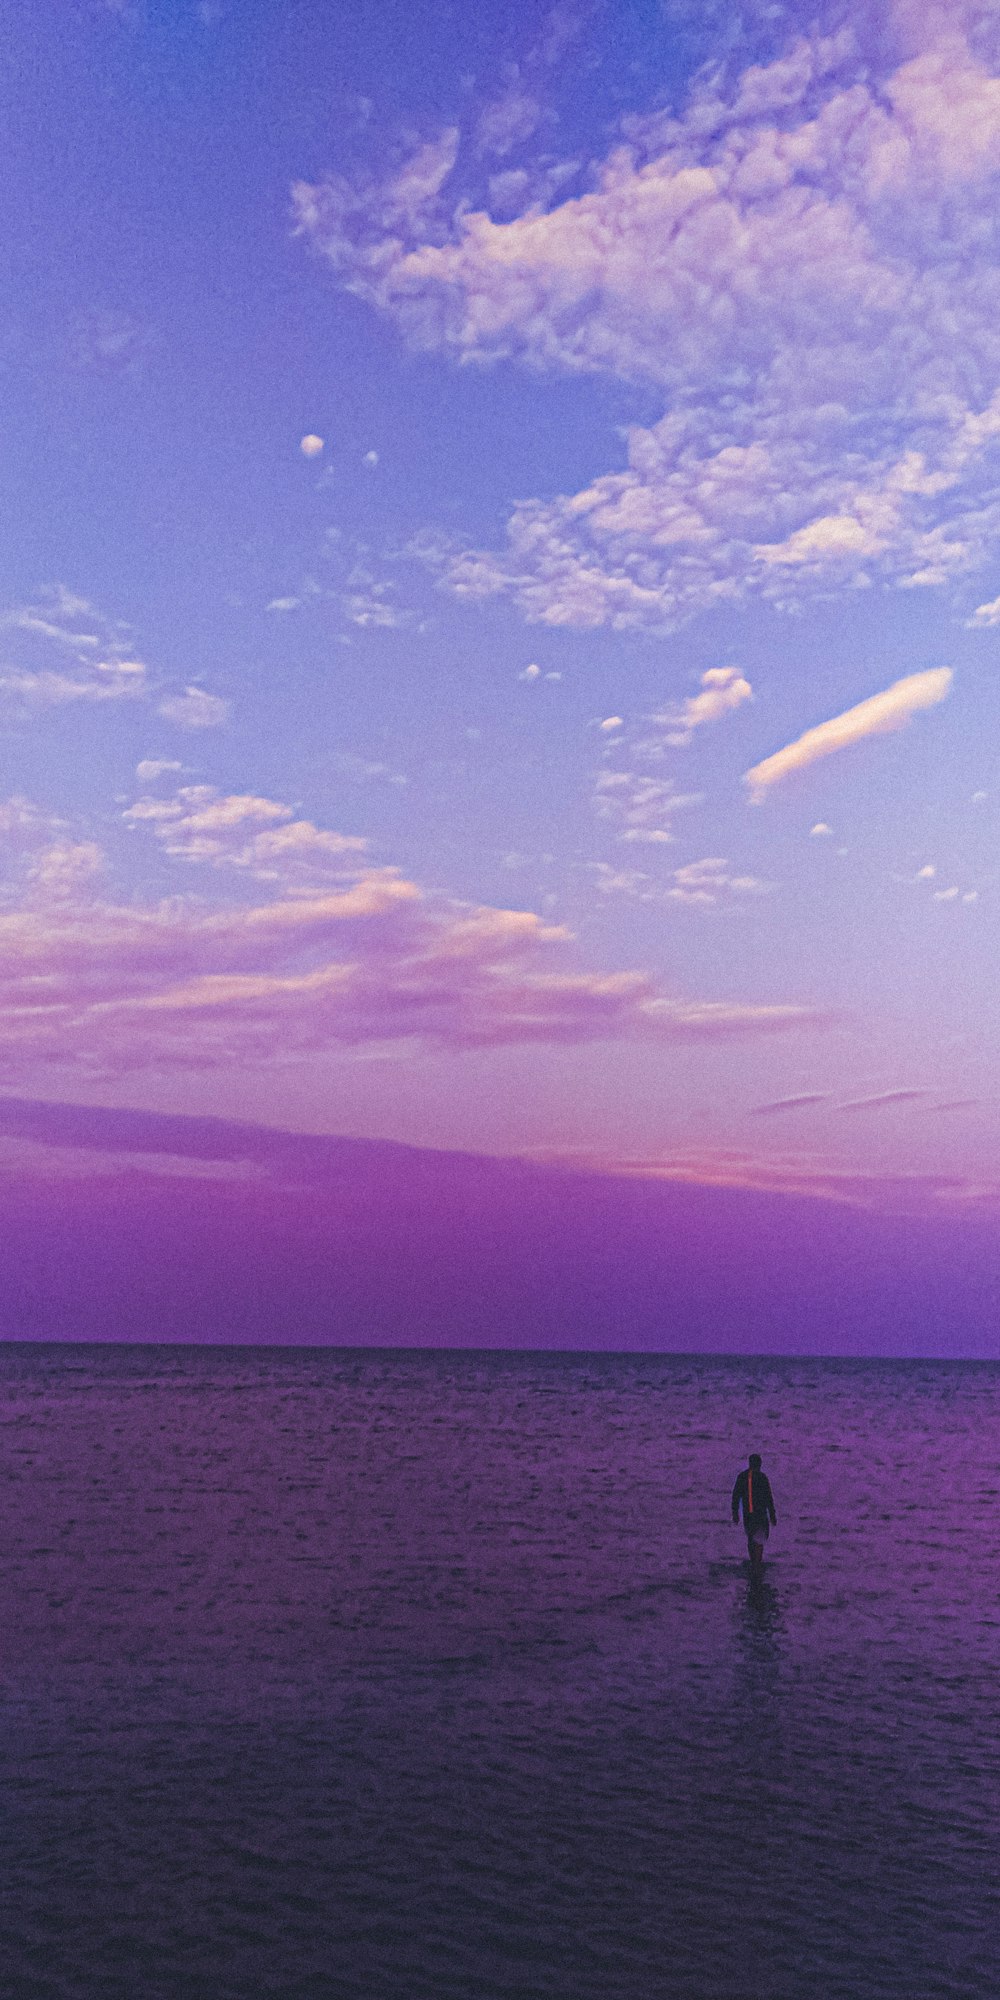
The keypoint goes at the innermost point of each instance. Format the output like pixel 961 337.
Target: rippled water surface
pixel 343 1674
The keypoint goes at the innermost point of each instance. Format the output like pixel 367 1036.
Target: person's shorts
pixel 758 1528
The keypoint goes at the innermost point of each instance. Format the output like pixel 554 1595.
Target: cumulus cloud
pixel 355 956
pixel 803 261
pixel 194 709
pixel 240 830
pixel 881 714
pixel 985 615
pixel 722 690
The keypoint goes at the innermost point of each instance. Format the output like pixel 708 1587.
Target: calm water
pixel 341 1674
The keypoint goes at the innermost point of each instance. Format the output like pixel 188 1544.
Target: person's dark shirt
pixel 763 1498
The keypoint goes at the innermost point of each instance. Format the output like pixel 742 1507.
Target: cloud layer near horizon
pixel 339 952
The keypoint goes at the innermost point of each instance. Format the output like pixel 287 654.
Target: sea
pixel 340 1674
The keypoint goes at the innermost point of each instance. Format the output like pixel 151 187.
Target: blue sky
pixel 398 784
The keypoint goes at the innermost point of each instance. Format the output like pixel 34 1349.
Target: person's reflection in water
pixel 759 1631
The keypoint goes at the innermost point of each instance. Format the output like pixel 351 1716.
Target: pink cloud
pixel 338 953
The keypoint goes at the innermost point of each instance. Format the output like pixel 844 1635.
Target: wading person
pixel 752 1492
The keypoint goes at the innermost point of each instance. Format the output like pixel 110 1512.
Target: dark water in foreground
pixel 330 1674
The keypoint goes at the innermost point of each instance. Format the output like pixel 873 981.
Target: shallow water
pixel 345 1674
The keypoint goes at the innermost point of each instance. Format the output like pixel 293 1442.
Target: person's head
pixel 755 1461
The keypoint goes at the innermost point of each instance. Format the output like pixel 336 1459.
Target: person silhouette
pixel 752 1493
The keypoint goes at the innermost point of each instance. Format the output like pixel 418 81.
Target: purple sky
pixel 502 553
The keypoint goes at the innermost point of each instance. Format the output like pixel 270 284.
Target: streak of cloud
pixel 798 1103
pixel 880 715
pixel 882 1100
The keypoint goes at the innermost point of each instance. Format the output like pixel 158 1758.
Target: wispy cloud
pixel 358 957
pixel 639 807
pixel 712 881
pixel 809 1174
pixel 800 1102
pixel 150 769
pixel 878 716
pixel 883 1099
pixel 194 709
pixel 60 650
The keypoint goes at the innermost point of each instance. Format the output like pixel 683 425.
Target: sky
pixel 501 580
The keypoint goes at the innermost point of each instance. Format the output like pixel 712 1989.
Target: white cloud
pixel 878 716
pixel 927 873
pixel 507 123
pixel 194 709
pixel 61 650
pixel 310 446
pixel 801 261
pixel 152 768
pixel 641 808
pixel 612 722
pixel 362 769
pixel 530 673
pixel 820 831
pixel 722 690
pixel 243 830
pixel 985 615
pixel 710 882
pixel 369 602
pixel 631 882
pixel 883 1100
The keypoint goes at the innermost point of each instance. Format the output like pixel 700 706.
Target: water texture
pixel 330 1674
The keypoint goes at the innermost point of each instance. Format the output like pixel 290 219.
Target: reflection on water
pixel 331 1675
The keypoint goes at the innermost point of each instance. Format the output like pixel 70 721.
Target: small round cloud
pixel 310 446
